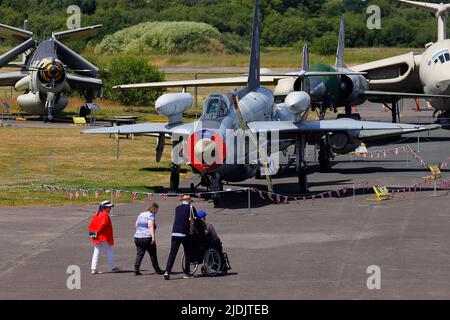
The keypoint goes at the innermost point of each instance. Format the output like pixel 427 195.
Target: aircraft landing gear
pixel 395 112
pixel 175 178
pixel 300 146
pixel 324 157
pixel 216 186
pixel 349 114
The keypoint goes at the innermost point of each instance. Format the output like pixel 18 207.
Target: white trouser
pixel 104 246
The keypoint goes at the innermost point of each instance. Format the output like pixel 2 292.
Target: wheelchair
pixel 213 264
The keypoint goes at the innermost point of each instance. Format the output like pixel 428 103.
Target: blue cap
pixel 202 214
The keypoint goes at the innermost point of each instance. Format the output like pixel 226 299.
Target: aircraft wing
pixel 77 34
pixel 399 73
pixel 185 129
pixel 80 82
pixel 10 79
pixel 366 129
pixel 14 34
pixel 217 82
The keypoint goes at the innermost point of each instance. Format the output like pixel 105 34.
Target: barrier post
pixel 418 143
pixel 118 146
pixel 17 171
pixel 354 192
pixel 249 201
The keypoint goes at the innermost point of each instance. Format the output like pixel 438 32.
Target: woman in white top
pixel 145 238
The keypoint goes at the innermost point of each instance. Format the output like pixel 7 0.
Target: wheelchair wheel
pixel 194 266
pixel 212 263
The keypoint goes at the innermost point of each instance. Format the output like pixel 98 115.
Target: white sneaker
pixel 95 272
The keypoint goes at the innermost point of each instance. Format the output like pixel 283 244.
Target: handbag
pixel 192 227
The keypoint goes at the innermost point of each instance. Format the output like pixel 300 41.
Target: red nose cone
pixel 206 150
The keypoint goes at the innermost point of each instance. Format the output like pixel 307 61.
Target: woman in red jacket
pixel 101 232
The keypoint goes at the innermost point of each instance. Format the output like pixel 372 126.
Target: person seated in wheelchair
pixel 211 240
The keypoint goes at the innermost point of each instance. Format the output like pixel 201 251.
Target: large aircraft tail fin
pixel 340 55
pixel 441 13
pixel 76 34
pixel 254 73
pixel 305 58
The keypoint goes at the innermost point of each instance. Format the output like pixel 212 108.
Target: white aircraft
pixel 426 73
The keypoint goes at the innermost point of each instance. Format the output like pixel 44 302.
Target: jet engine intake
pixel 343 142
pixel 351 89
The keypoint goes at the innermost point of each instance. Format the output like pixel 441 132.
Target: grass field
pixel 63 157
pixel 271 57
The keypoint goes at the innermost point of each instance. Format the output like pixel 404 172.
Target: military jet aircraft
pixel 49 70
pixel 251 108
pixel 340 86
pixel 427 72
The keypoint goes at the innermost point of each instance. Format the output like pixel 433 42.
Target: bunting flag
pixel 85 194
pixel 278 199
pixel 77 195
pixel 71 195
pixel 149 196
pixel 165 196
pixel 134 196
pixel 96 194
pixel 285 200
pixel 118 194
pixel 261 195
pixel 269 195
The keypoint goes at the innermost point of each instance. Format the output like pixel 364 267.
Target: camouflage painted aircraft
pixel 253 109
pixel 427 72
pixel 49 70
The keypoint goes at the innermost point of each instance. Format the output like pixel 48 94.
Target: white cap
pixel 107 204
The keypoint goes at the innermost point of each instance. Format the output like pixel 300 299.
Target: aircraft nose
pixel 206 150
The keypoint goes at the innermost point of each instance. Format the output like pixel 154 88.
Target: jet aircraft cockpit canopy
pixel 216 106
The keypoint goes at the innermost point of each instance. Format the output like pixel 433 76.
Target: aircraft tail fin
pixel 254 73
pixel 340 55
pixel 76 34
pixel 26 27
pixel 441 13
pixel 305 58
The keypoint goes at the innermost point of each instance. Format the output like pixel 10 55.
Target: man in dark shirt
pixel 180 236
pixel 210 232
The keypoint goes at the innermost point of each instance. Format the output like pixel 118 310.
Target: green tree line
pixel 285 22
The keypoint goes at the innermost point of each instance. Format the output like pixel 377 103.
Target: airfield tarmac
pixel 292 251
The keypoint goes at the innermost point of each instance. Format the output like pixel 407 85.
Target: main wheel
pixel 194 266
pixel 212 263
